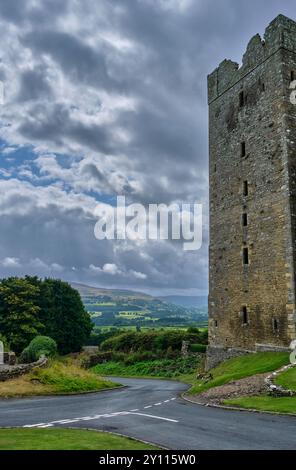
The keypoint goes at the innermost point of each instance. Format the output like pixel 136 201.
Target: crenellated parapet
pixel 281 33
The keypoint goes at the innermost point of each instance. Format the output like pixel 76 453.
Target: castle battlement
pixel 280 33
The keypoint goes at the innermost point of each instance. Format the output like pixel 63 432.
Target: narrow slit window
pixel 216 323
pixel 243 149
pixel 245 219
pixel 245 188
pixel 241 99
pixel 246 256
pixel 245 315
pixel 292 76
pixel 275 324
pixel 261 85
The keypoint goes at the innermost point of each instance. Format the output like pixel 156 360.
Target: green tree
pixel 19 312
pixel 64 316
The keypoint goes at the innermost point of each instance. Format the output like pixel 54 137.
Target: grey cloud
pixel 78 60
pixel 54 123
pixel 162 155
pixel 33 85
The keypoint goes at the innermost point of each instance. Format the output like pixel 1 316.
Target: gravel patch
pixel 249 386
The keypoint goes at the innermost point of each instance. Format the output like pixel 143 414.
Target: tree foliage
pixel 30 306
pixel 19 312
pixel 152 340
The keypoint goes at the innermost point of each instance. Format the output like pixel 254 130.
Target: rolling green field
pixel 66 439
pixel 149 328
pixel 113 307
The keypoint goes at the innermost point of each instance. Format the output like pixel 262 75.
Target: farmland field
pixel 126 309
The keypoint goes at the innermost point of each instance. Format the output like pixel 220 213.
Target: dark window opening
pixel 275 324
pixel 216 323
pixel 215 168
pixel 261 85
pixel 241 99
pixel 243 149
pixel 292 76
pixel 245 316
pixel 245 219
pixel 246 255
pixel 245 188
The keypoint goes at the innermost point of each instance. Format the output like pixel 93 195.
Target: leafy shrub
pixel 154 368
pixel 40 345
pixel 139 357
pixel 157 342
pixel 198 348
pixel 98 336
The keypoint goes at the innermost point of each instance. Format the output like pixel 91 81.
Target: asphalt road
pixel 152 410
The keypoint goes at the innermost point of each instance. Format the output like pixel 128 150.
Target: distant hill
pixel 187 301
pixel 119 307
pixel 85 290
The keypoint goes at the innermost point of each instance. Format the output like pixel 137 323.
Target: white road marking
pixel 33 425
pixel 106 415
pixel 65 421
pixel 156 417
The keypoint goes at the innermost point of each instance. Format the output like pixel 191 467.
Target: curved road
pixel 152 410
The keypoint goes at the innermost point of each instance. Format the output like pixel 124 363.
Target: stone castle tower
pixel 252 122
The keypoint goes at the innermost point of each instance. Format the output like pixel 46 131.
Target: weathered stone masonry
pixel 253 197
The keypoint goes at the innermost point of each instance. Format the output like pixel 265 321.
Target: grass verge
pixel 265 403
pixel 66 439
pixel 240 367
pixel 59 377
pixel 162 368
pixel 287 379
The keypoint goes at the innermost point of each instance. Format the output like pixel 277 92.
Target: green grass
pixel 169 368
pixel 239 367
pixel 69 378
pixel 265 403
pixel 59 377
pixel 66 439
pixel 287 379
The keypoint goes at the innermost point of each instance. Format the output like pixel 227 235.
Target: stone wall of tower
pixel 253 140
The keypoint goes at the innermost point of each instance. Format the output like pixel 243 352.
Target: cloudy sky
pixel 106 98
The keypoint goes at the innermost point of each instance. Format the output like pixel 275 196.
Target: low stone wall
pixel 93 359
pixel 217 354
pixel 278 390
pixel 10 372
pixel 9 358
